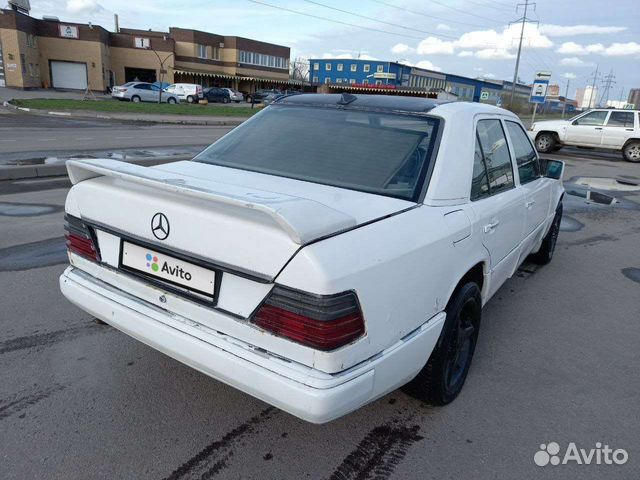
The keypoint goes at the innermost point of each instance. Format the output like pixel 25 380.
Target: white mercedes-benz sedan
pixel 327 251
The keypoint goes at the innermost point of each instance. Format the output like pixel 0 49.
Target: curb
pixel 18 172
pixel 231 122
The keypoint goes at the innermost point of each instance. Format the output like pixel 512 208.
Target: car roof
pixel 374 102
pixel 391 103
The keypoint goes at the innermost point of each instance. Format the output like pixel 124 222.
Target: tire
pixel 631 151
pixel 545 142
pixel 136 99
pixel 545 254
pixel 225 100
pixel 171 101
pixel 190 99
pixel 237 101
pixel 442 378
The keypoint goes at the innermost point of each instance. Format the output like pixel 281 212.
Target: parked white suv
pixel 600 128
pixel 189 92
pixel 324 253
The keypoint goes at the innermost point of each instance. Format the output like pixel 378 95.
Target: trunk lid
pixel 248 222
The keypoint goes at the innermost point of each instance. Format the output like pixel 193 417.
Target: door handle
pixel 490 227
pixel 629 129
pixel 530 204
pixel 598 128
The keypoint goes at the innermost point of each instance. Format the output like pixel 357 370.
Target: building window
pixel 32 41
pixel 140 42
pixel 366 68
pixel 365 81
pixel 340 67
pixel 352 81
pixel 327 80
pixel 316 66
pixel 354 67
pixel 327 67
pixel 264 60
pixel 338 80
pixel 378 82
pixel 380 68
pixel 201 51
pixel 215 53
pixel 315 79
pixel 23 63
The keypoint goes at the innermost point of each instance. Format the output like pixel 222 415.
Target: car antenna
pixel 346 99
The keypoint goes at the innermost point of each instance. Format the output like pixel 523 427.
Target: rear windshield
pixel 386 154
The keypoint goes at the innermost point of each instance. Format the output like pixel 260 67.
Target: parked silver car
pixel 235 95
pixel 142 92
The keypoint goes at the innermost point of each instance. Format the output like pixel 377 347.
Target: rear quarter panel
pixel 403 269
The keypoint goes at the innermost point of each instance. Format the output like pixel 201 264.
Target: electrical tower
pixel 594 77
pixel 524 19
pixel 608 81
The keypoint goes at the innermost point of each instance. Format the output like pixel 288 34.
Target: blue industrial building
pixel 374 75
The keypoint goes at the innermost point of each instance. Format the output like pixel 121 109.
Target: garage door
pixel 69 75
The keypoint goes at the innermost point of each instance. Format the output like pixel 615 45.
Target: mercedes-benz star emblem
pixel 160 226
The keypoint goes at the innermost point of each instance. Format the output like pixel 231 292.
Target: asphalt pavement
pixel 26 136
pixel 557 361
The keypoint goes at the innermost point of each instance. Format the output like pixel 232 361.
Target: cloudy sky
pixel 467 37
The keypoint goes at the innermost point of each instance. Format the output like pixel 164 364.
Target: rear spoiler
pixel 304 220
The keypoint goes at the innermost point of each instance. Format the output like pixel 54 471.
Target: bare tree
pixel 299 69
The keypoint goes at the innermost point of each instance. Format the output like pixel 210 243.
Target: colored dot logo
pixel 548 454
pixel 152 262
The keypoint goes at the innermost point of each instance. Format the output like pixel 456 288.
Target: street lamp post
pixel 162 70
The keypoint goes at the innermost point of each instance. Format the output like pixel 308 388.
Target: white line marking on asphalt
pixel 123 138
pixel 8 140
pixel 84 138
pixel 46 139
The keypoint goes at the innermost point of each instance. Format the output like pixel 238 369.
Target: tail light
pixel 324 322
pixel 80 238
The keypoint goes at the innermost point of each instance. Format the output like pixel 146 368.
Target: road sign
pixel 539 88
pixel 484 96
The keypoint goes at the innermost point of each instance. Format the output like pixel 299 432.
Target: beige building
pixel 49 53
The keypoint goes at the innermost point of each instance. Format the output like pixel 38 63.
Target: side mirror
pixel 552 168
pixel 575 122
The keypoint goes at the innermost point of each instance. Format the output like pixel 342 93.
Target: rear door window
pixel 621 119
pixel 497 158
pixel 480 180
pixel 526 157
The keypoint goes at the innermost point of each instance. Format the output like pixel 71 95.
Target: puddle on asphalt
pixel 569 224
pixel 632 274
pixel 608 184
pixel 44 253
pixel 27 209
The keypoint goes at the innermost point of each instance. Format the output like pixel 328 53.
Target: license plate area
pixel 173 272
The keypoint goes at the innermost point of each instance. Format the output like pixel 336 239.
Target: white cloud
pixel 495 54
pixel 435 46
pixel 569 75
pixel 620 49
pixel 428 65
pixel 83 6
pixel 573 30
pixel 401 48
pixel 614 50
pixel 488 75
pixel 465 53
pixel 443 26
pixel 574 62
pixel 348 56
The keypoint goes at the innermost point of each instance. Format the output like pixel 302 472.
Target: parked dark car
pixel 215 94
pixel 259 95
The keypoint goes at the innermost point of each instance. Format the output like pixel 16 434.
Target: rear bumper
pixel 262 376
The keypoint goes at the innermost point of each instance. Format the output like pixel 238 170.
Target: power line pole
pixel 524 19
pixel 593 86
pixel 608 81
pixel 566 95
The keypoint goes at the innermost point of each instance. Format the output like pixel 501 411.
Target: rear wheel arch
pixel 475 274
